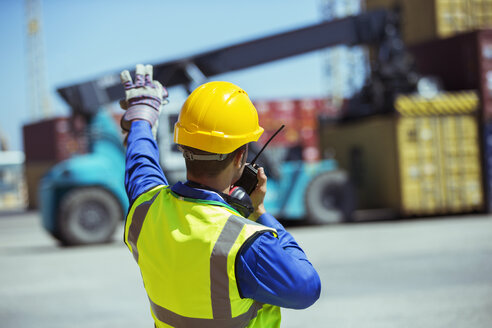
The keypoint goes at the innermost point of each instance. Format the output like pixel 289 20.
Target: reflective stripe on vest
pixel 176 320
pixel 137 223
pixel 219 279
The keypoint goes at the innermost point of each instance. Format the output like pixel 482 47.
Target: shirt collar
pixel 186 191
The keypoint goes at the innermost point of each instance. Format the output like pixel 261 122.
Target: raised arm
pixel 142 171
pixel 143 101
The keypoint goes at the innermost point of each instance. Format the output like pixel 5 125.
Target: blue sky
pixel 85 39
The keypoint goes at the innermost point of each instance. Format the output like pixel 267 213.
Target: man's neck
pixel 216 183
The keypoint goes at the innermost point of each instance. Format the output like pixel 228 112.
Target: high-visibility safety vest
pixel 186 250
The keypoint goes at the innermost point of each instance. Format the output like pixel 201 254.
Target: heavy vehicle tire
pixel 329 198
pixel 88 216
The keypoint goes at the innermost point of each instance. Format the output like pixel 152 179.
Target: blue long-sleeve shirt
pixel 270 270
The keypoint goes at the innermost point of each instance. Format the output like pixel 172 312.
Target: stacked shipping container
pixel 422 161
pixel 462 62
pixel 449 40
pixel 465 62
pixel 46 143
pixel 300 117
pixel 424 20
pixel 439 154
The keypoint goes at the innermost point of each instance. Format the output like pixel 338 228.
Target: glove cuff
pixel 138 113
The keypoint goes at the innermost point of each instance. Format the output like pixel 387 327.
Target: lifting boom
pixel 366 28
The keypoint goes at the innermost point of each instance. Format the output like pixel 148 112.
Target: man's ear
pixel 238 159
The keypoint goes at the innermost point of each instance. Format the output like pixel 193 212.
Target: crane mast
pixel 37 93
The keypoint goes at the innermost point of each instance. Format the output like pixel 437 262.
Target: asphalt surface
pixel 415 273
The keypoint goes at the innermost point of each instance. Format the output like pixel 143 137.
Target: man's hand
pixel 258 195
pixel 143 98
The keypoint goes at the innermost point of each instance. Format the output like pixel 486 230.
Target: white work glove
pixel 144 98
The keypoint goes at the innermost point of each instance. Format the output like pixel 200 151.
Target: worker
pixel 207 258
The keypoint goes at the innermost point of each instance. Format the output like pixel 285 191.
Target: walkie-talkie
pixel 248 179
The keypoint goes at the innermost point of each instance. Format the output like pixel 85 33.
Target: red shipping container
pixel 264 114
pixel 53 140
pixel 462 62
pixel 300 117
pixel 284 112
pixel 308 108
pixel 272 114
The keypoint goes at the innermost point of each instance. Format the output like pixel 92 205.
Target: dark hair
pixel 210 168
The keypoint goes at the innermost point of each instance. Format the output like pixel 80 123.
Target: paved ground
pixel 421 273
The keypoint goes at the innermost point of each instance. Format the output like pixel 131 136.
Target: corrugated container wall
pixel 423 161
pixel 424 20
pixel 439 154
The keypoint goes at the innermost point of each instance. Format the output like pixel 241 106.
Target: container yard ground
pixel 406 273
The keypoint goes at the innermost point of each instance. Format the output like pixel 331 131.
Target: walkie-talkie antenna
pixel 266 144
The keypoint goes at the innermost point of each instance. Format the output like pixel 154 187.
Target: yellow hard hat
pixel 217 117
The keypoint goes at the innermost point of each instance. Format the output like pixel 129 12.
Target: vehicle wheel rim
pixel 328 198
pixel 92 216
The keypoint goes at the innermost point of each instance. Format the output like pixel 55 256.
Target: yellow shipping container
pixel 424 20
pixel 446 170
pixel 414 163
